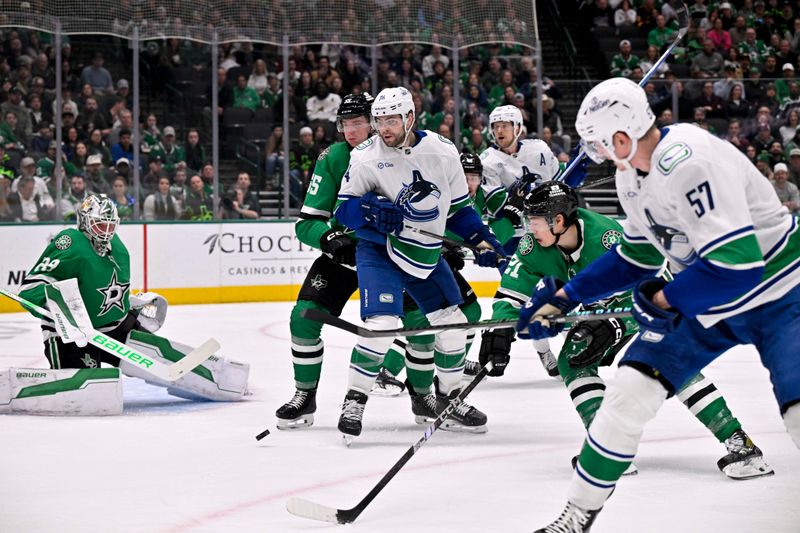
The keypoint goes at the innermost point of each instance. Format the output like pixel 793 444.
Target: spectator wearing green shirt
pixel 753 48
pixel 244 96
pixel 497 93
pixel 782 85
pixel 661 34
pixel 623 62
pixel 273 91
pixel 170 153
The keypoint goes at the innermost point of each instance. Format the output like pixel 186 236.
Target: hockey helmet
pixel 98 220
pixel 394 101
pixel 615 105
pixel 353 106
pixel 471 163
pixel 550 199
pixel 506 113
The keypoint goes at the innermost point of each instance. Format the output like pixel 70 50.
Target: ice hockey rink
pixel 170 465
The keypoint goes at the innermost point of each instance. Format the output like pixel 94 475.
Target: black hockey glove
pixel 513 208
pixel 341 248
pixel 496 347
pixel 592 339
pixel 453 256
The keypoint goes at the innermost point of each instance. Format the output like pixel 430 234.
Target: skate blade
pixel 455 427
pixel 748 469
pixel 303 422
pixel 347 440
pixel 386 392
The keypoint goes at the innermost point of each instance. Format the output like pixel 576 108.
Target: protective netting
pixel 360 22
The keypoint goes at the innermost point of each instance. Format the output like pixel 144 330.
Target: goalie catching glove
pixel 591 341
pixel 150 309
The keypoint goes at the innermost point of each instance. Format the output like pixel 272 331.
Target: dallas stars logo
pixel 318 283
pixel 113 295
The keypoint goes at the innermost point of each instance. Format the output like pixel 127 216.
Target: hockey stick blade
pixel 578 316
pixel 306 509
pixel 193 359
pixel 315 511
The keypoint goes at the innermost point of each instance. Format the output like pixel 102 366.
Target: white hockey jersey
pixel 703 198
pixel 532 156
pixel 425 181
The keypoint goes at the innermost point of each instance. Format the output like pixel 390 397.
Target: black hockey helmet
pixel 354 105
pixel 550 199
pixel 471 163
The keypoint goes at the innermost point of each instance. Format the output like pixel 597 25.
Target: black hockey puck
pixel 262 434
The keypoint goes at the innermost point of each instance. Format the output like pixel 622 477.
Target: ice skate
pixel 352 413
pixel 423 406
pixel 387 385
pixel 573 519
pixel 550 364
pixel 630 471
pixel 464 418
pixel 298 413
pixel 744 459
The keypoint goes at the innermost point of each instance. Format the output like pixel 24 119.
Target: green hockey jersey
pixel 104 282
pixel 532 262
pixel 321 195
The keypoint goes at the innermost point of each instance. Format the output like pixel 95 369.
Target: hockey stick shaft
pixel 452 242
pixel 649 74
pixel 579 316
pixel 125 353
pixel 307 509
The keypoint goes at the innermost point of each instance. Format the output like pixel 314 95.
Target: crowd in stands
pixel 734 74
pixel 98 123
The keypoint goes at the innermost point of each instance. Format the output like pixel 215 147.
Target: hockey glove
pixel 496 347
pixel 543 302
pixel 649 315
pixel 339 246
pixel 591 340
pixel 578 174
pixel 494 257
pixel 453 256
pixel 381 213
pixel 513 208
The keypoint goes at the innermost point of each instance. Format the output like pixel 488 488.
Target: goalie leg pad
pixel 217 379
pixel 631 401
pixel 73 392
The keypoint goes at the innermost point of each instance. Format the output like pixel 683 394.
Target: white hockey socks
pixel 450 348
pixel 367 355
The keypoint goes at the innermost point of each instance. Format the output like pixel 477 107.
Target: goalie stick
pixel 682 13
pixel 335 321
pixel 315 511
pixel 124 352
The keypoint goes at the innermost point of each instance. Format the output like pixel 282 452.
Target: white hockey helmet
pixel 506 113
pixel 98 220
pixel 394 101
pixel 615 105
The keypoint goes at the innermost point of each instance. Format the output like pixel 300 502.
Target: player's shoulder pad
pixel 68 239
pixel 672 156
pixel 365 145
pixel 526 245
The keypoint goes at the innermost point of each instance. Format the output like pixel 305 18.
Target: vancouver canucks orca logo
pixel 673 240
pixel 419 200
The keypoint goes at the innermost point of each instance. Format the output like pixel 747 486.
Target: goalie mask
pixel 98 220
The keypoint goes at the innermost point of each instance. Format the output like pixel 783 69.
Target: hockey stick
pixel 126 353
pixel 315 511
pixel 682 12
pixel 453 242
pixel 335 321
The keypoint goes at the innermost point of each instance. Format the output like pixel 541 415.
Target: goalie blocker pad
pixel 217 379
pixel 71 392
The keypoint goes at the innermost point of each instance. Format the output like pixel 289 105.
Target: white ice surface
pixel 169 465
